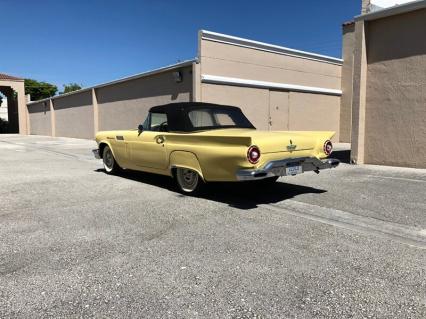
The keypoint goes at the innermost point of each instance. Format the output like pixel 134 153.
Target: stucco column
pixel 52 118
pixel 365 6
pixel 196 82
pixel 359 94
pixel 347 82
pixel 19 88
pixel 95 112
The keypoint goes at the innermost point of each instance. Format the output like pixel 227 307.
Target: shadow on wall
pixel 238 195
pixel 125 105
pixel 74 100
pixel 156 85
pixel 342 156
pixel 396 37
pixel 42 107
pixel 4 126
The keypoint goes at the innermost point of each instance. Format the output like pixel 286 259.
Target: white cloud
pixel 389 3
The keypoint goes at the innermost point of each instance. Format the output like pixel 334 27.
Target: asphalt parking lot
pixel 75 242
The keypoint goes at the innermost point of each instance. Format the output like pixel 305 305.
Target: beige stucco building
pixel 13 89
pixel 389 85
pixel 278 88
pixel 375 97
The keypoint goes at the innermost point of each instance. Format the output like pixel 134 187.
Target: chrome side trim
pixel 278 168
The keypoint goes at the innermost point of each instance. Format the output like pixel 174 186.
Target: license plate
pixel 293 170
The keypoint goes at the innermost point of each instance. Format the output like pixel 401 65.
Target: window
pixel 211 118
pixel 200 118
pixel 224 119
pixel 156 122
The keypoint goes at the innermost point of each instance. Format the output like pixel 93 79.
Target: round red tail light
pixel 328 147
pixel 253 154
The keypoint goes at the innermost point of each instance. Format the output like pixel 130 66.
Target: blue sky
pixel 96 41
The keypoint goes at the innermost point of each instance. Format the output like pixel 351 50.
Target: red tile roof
pixel 347 23
pixel 9 77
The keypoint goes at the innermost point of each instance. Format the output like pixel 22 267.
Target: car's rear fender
pixel 184 159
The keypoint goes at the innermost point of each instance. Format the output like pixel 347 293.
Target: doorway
pixel 279 110
pixel 9 118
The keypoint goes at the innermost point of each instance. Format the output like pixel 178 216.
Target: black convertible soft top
pixel 178 119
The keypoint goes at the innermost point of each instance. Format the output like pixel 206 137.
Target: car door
pixel 148 147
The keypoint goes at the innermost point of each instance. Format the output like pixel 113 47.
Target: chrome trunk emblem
pixel 291 147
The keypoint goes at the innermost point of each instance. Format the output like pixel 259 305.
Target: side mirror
pixel 140 128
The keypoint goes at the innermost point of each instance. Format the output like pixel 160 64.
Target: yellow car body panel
pixel 217 155
pixel 184 159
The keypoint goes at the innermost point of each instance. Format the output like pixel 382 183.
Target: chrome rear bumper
pixel 278 168
pixel 96 154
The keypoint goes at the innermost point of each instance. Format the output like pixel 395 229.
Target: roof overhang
pixel 400 9
pixel 246 43
pixel 10 78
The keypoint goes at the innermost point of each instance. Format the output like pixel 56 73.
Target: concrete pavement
pixel 75 242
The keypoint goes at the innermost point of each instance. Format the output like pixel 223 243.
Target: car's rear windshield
pixel 216 118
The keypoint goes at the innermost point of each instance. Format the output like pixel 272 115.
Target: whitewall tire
pixel 188 180
pixel 110 165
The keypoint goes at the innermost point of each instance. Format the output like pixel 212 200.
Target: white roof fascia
pixel 214 79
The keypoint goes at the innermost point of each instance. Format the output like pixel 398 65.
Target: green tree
pixel 39 90
pixel 71 87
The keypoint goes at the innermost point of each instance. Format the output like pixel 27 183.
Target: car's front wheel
pixel 110 165
pixel 188 181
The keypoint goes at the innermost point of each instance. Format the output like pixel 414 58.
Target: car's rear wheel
pixel 110 165
pixel 188 181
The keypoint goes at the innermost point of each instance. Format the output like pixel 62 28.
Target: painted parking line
pixel 61 152
pixel 399 178
pixel 397 232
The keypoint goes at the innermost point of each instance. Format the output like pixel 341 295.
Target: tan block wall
pixel 314 112
pixel 239 62
pixel 74 115
pixel 395 125
pixel 254 102
pixel 271 109
pixel 125 105
pixel 347 83
pixel 286 110
pixel 39 115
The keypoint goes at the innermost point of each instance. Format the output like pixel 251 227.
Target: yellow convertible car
pixel 200 142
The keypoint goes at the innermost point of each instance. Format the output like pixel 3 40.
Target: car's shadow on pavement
pixel 242 195
pixel 249 195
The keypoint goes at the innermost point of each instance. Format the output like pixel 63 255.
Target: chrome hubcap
pixel 188 179
pixel 108 159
